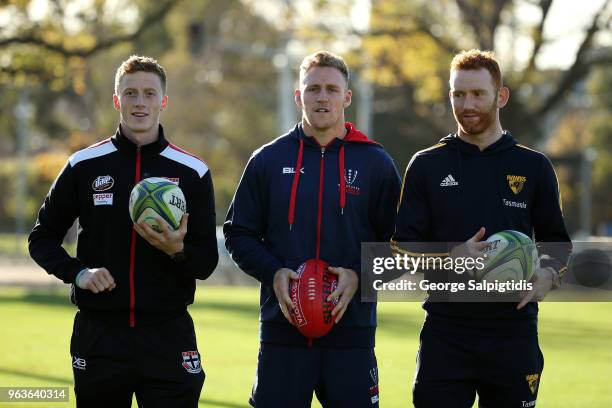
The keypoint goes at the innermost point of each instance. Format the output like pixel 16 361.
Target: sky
pixel 565 26
pixel 566 23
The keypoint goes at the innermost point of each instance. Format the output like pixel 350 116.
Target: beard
pixel 478 124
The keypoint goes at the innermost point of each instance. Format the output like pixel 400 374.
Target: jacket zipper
pixel 133 250
pixel 320 207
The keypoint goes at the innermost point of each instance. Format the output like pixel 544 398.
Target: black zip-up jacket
pixel 452 189
pixel 95 187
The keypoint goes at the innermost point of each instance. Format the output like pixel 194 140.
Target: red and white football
pixel 312 312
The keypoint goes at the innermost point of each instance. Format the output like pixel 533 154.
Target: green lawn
pixel 17 245
pixel 576 339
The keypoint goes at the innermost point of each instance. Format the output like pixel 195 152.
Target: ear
pixel 348 97
pixel 297 97
pixel 164 103
pixel 116 102
pixel 503 96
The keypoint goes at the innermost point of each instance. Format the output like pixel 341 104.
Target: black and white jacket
pixel 95 187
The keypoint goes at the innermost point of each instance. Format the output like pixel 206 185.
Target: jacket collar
pixel 123 143
pixel 352 135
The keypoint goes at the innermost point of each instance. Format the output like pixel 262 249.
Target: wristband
pixel 79 275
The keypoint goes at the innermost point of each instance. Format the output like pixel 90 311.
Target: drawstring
pixel 342 181
pixel 294 185
pixel 296 181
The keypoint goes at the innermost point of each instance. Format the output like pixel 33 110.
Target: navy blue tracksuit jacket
pixel 299 200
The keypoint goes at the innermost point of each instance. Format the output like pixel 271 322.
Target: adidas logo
pixel 449 181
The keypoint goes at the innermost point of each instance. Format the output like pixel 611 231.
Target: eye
pixel 129 92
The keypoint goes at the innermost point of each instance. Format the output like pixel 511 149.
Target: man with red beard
pixel 470 185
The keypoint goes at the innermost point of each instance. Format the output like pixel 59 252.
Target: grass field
pixel 576 339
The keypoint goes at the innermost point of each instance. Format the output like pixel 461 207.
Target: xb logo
pixel 79 363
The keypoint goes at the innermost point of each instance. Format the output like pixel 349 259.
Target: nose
pixel 322 95
pixel 469 102
pixel 139 100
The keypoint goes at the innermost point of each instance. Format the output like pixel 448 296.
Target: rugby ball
pixel 510 256
pixel 157 197
pixel 311 311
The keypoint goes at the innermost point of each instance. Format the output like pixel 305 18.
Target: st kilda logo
pixel 103 183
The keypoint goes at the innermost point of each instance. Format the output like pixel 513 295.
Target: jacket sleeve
pixel 385 202
pixel 200 243
pixel 55 217
pixel 383 205
pixel 553 241
pixel 413 222
pixel 245 225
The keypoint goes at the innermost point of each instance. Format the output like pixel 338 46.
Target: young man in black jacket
pixel 131 284
pixel 469 186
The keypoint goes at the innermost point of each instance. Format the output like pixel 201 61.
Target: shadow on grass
pixel 29 374
pixel 69 382
pixel 215 403
pixel 575 335
pixel 228 306
pixel 62 299
pixel 47 298
pixel 399 325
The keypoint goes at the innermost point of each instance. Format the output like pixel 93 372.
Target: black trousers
pixel 159 363
pixel 505 371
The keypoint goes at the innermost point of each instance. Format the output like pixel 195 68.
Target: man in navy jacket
pixel 318 191
pixel 469 186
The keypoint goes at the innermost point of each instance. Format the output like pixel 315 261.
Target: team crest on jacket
pixel 532 381
pixel 350 176
pixel 191 362
pixel 516 183
pixel 102 183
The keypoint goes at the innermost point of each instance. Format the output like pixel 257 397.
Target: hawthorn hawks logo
pixel 532 381
pixel 516 183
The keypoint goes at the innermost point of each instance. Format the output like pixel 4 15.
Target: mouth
pixel 140 114
pixel 322 110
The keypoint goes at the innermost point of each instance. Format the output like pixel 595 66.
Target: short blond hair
pixel 137 63
pixel 475 59
pixel 324 59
